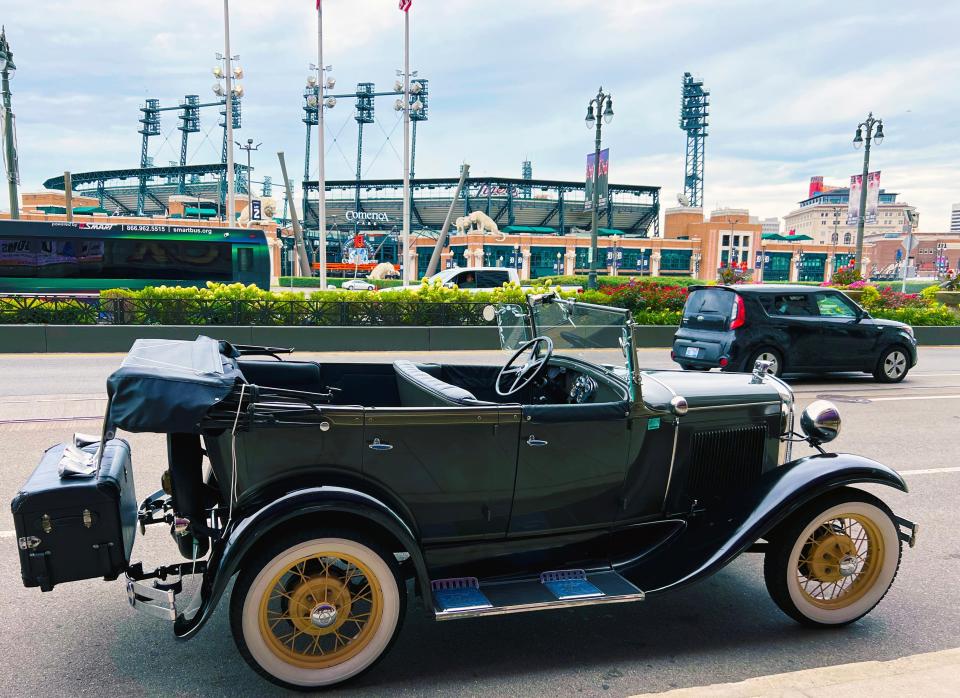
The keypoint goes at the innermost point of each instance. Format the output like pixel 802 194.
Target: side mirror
pixel 489 313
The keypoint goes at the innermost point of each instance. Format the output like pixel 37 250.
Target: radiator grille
pixel 723 460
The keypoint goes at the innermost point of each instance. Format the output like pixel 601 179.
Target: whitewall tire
pixel 833 561
pixel 317 609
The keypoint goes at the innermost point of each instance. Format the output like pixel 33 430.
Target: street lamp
pixel 249 147
pixel 874 131
pixel 603 102
pixel 7 69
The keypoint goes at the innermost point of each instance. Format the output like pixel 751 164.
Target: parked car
pixel 477 279
pixel 358 285
pixel 804 329
pixel 545 483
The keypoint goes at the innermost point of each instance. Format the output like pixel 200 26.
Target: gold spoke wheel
pixel 840 561
pixel 321 610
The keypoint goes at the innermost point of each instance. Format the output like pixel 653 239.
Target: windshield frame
pixel 627 340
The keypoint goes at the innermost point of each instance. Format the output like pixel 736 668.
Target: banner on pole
pixel 588 189
pixel 602 180
pixel 603 176
pixel 853 209
pixel 873 197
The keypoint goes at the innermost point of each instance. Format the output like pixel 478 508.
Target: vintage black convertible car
pixel 549 482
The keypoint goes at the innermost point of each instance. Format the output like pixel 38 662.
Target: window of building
pixel 846 238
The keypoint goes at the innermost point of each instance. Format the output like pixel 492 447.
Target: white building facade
pixel 824 218
pixel 955 218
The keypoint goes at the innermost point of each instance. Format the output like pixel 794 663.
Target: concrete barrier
pixel 21 339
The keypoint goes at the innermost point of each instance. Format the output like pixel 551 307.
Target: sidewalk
pixel 931 674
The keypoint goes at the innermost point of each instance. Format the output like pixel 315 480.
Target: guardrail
pixel 20 309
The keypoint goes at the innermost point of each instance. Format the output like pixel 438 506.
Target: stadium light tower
pixel 7 69
pixel 694 103
pixel 603 102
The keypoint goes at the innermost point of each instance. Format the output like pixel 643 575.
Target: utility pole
pixel 407 275
pixel 249 147
pixel 7 69
pixel 301 250
pixel 229 115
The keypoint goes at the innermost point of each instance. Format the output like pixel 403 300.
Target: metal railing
pixel 93 310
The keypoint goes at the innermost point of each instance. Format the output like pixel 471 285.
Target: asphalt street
pixel 83 639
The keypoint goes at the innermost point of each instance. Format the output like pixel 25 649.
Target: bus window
pixel 244 259
pixel 18 257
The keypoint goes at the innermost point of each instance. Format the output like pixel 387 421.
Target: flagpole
pixel 407 275
pixel 321 174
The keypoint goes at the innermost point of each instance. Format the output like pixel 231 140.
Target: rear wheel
pixel 833 561
pixel 893 365
pixel 766 354
pixel 317 609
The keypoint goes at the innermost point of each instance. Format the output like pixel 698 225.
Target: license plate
pixel 692 351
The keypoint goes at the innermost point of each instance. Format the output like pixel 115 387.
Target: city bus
pixel 66 257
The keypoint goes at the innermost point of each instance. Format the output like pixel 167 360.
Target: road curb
pixel 928 674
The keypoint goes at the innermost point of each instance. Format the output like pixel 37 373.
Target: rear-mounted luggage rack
pixel 466 597
pixel 159 599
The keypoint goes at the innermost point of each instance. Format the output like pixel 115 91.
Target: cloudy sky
pixel 510 79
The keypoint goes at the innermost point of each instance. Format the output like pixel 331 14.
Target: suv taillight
pixel 739 312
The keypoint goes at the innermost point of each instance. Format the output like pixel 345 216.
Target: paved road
pixel 82 639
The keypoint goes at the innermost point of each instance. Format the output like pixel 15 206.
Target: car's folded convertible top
pixel 168 386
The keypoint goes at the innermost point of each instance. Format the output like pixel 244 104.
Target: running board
pixel 466 597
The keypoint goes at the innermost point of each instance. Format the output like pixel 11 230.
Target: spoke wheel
pixel 833 561
pixel 314 611
pixel 321 610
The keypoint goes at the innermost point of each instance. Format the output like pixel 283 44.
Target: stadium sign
pixel 379 216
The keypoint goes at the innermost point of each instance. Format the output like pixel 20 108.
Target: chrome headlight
pixel 820 421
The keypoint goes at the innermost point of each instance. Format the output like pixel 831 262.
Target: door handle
pixel 378 446
pixel 534 441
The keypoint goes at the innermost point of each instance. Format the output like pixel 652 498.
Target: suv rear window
pixel 717 301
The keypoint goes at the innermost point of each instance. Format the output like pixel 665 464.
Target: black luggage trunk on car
pixel 76 528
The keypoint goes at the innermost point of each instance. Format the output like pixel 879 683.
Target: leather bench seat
pixel 418 388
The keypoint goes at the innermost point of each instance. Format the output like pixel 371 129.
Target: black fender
pixel 245 533
pixel 712 539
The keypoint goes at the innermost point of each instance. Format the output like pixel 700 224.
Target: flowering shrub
pixel 734 275
pixel 644 295
pixel 845 276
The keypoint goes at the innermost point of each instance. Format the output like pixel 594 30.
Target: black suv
pixel 803 329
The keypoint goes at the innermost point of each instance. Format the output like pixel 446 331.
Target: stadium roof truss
pixel 118 189
pixel 538 203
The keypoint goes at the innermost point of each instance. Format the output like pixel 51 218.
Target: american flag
pixel 404 5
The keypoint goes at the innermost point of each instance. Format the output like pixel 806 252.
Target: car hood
pixel 708 389
pixel 887 323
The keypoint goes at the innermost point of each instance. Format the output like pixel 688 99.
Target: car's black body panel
pixel 716 536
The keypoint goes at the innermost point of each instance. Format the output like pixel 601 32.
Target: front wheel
pixel 892 366
pixel 317 609
pixel 833 561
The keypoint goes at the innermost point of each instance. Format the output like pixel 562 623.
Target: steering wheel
pixel 524 374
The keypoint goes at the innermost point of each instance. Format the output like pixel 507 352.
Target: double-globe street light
pixel 874 131
pixel 249 147
pixel 603 103
pixel 7 69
